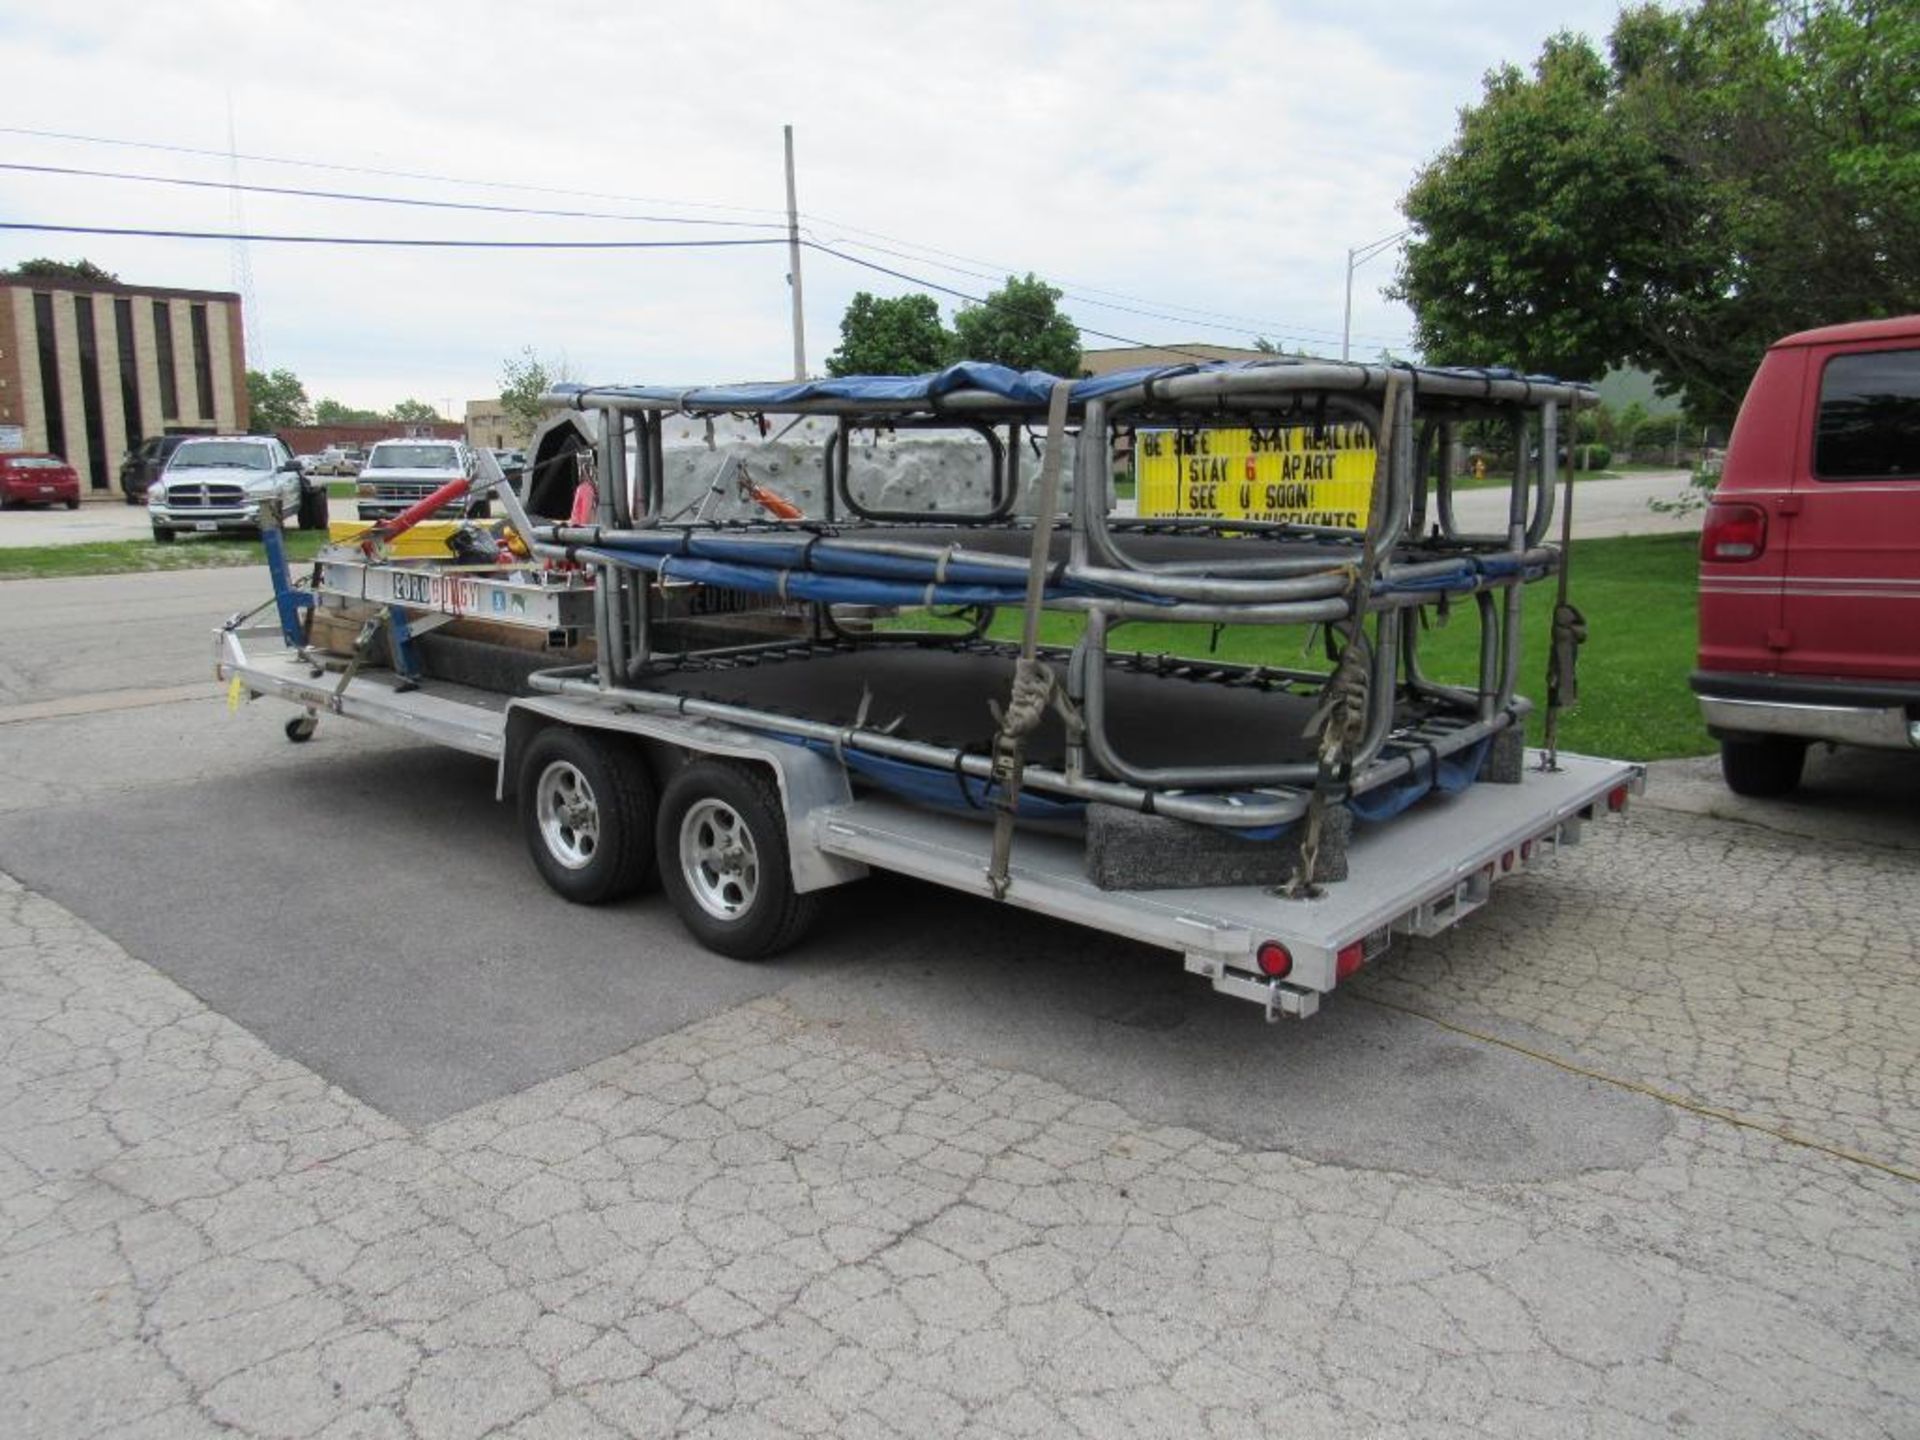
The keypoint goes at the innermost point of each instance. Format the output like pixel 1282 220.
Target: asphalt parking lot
pixel 319 1115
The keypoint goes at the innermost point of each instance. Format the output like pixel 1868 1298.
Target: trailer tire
pixel 724 862
pixel 587 808
pixel 1762 766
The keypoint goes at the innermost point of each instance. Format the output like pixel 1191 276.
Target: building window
pixel 90 392
pixel 50 375
pixel 129 372
pixel 163 342
pixel 202 361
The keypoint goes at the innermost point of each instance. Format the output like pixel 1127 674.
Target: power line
pixel 1240 323
pixel 301 192
pixel 466 205
pixel 394 240
pixel 232 236
pixel 1086 293
pixel 980 300
pixel 388 174
pixel 1083 293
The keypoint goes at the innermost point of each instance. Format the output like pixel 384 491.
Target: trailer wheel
pixel 1762 766
pixel 301 727
pixel 587 809
pixel 724 861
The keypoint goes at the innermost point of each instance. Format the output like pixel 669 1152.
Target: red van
pixel 1810 557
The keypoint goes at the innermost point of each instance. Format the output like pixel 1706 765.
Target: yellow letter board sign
pixel 1295 473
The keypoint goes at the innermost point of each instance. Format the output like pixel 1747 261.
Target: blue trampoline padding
pixel 811 585
pixel 940 789
pixel 1450 776
pixel 812 568
pixel 944 789
pixel 844 589
pixel 1021 387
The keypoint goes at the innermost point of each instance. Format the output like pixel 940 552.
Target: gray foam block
pixel 1506 757
pixel 1130 851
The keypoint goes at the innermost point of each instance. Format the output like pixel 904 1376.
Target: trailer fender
pixel 808 782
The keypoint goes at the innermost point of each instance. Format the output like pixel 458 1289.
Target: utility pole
pixel 1357 256
pixel 793 267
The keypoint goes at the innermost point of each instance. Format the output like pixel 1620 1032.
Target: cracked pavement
pixel 996 1178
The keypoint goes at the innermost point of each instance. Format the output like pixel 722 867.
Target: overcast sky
pixel 1208 163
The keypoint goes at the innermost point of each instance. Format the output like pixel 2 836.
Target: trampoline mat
pixel 940 697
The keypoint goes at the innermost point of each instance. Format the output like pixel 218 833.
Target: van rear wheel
pixel 1762 766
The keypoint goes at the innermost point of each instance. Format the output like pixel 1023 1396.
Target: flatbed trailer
pixel 1177 803
pixel 1415 876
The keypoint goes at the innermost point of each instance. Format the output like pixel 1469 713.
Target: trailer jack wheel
pixel 301 727
pixel 724 864
pixel 587 808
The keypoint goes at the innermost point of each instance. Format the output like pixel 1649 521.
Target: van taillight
pixel 1733 532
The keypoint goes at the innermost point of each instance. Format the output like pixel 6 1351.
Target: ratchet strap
pixel 1569 625
pixel 1035 685
pixel 1340 719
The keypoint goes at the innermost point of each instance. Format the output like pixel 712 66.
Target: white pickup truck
pixel 219 483
pixel 400 473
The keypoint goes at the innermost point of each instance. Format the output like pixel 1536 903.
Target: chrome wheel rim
pixel 569 815
pixel 719 860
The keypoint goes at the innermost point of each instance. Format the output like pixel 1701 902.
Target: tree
pixel 901 336
pixel 336 412
pixel 277 400
pixel 1724 175
pixel 44 269
pixel 1020 325
pixel 414 412
pixel 524 378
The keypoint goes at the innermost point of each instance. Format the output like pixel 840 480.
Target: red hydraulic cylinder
pixel 396 525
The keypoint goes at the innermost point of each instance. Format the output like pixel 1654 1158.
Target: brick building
pixel 90 368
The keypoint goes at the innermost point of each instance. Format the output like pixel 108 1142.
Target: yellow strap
pixel 1654 1092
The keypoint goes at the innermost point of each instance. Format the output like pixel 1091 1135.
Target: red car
pixel 29 479
pixel 1810 557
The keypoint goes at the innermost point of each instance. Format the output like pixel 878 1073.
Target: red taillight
pixel 1526 850
pixel 1350 959
pixel 1274 959
pixel 1733 532
pixel 1507 861
pixel 1617 798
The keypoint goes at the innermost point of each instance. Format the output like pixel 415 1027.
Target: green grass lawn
pixel 1492 481
pixel 126 557
pixel 1639 597
pixel 1638 594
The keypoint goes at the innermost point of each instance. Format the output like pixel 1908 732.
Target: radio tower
pixel 241 259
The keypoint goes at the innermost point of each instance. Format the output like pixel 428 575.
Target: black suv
pixel 143 466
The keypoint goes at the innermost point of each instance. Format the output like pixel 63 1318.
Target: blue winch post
pixel 405 662
pixel 289 601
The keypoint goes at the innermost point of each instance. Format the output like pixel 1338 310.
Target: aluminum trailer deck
pixel 1416 875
